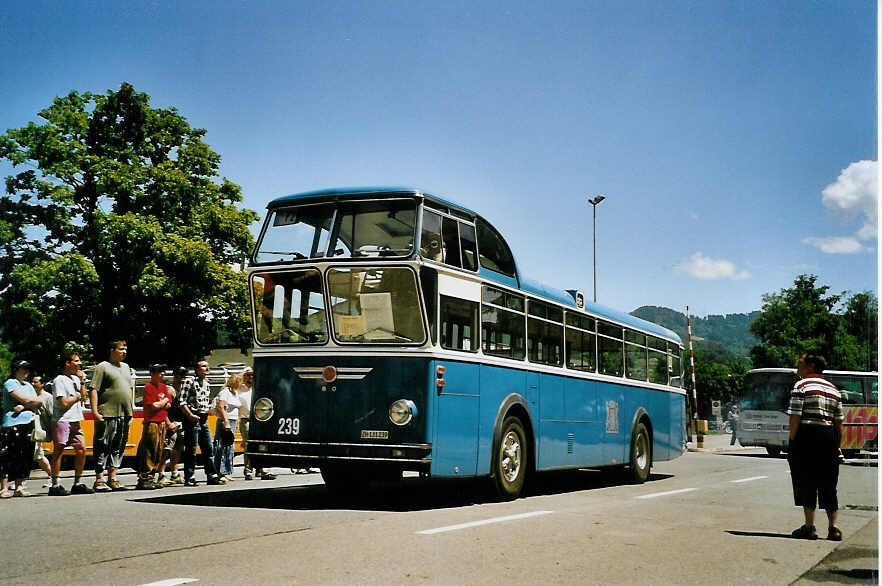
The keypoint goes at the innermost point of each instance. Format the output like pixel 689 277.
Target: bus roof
pixel 772 370
pixel 527 285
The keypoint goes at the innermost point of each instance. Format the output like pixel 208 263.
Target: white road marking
pixel 748 479
pixel 658 494
pixel 484 522
pixel 172 582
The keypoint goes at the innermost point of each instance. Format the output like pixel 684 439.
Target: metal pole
pixel 700 436
pixel 594 201
pixel 594 247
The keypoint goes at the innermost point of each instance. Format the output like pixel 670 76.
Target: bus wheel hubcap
pixel 511 456
pixel 641 451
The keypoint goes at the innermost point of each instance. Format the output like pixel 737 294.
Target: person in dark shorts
pixel 815 432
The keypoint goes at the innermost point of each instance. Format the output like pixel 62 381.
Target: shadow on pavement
pixel 760 534
pixel 411 494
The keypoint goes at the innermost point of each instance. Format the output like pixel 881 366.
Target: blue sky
pixel 735 141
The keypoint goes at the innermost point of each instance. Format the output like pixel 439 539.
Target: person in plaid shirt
pixel 195 403
pixel 815 432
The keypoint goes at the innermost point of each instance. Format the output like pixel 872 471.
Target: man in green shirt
pixel 112 395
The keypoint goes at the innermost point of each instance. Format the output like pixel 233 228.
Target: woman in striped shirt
pixel 815 431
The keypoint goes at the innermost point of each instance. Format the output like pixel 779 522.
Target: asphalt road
pixel 713 516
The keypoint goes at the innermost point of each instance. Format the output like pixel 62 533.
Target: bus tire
pixel 640 460
pixel 774 451
pixel 510 460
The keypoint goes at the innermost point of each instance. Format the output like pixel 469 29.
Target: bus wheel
pixel 510 461
pixel 641 455
pixel 773 451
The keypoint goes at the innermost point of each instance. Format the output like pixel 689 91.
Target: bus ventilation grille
pixel 571 439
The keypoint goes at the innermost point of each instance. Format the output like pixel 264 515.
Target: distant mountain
pixel 731 332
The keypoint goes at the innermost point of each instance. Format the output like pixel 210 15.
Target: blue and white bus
pixel 393 331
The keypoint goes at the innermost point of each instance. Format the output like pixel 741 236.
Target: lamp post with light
pixel 596 200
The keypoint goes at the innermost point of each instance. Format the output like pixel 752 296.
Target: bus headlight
pixel 402 412
pixel 263 409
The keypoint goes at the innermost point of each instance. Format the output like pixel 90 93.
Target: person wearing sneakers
pixel 815 432
pixel 69 392
pixel 19 403
pixel 112 396
pixel 157 400
pixel 227 410
pixel 195 403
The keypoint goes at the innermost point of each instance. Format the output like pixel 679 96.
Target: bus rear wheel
pixel 641 455
pixel 510 462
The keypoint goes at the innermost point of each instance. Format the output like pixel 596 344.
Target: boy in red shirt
pixel 157 400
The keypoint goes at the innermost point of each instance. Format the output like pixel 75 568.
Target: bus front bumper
pixel 266 453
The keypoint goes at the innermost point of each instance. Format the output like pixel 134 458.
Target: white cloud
pixel 856 193
pixel 702 267
pixel 836 244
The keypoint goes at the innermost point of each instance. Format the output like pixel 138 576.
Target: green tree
pixel 116 226
pixel 861 317
pixel 803 318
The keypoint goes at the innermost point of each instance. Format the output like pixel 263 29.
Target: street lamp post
pixel 596 200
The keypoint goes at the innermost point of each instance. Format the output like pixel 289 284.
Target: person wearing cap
pixel 20 403
pixel 69 390
pixel 112 396
pixel 157 400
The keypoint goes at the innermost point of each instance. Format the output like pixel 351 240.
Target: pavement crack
pixel 171 550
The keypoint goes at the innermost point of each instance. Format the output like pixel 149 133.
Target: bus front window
pixel 352 229
pixel 289 308
pixel 371 305
pixel 767 392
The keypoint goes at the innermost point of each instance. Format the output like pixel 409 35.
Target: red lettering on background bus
pixel 861 425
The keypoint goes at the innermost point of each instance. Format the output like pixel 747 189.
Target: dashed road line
pixel 666 493
pixel 172 582
pixel 484 522
pixel 751 479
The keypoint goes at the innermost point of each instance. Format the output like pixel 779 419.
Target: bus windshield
pixel 767 391
pixel 353 229
pixel 289 307
pixel 375 305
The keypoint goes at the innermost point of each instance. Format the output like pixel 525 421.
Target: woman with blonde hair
pixel 227 410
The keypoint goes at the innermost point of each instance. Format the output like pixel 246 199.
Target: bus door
pixel 455 445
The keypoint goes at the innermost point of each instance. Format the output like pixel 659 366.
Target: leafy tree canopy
pixel 117 227
pixel 805 317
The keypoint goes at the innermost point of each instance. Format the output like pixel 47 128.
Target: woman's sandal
pixel 805 532
pixel 834 534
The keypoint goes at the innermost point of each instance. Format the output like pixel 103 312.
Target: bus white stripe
pixel 657 494
pixel 748 479
pixel 484 522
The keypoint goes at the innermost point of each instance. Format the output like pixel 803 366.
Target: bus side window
pixel 581 343
pixel 658 361
pixel 430 238
pixel 459 324
pixel 609 345
pixel 544 338
pixel 493 252
pixel 635 355
pixel 467 244
pixel 450 238
pixel 502 324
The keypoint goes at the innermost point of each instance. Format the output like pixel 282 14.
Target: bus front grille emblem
pixel 331 373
